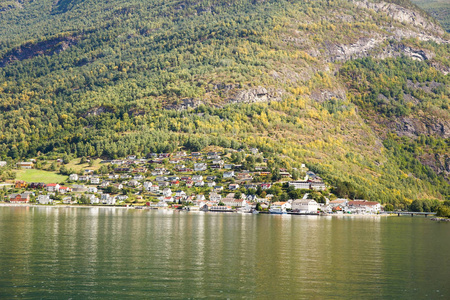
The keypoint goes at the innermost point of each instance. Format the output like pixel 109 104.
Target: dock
pixel 412 213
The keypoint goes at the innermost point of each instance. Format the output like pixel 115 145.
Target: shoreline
pixel 175 210
pixel 62 206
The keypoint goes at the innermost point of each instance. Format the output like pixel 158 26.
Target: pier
pixel 412 213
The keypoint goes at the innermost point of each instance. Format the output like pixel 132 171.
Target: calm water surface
pixel 84 253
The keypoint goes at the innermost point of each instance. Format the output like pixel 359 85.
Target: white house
pixel 168 199
pixel 3 163
pixel 92 199
pixel 234 202
pixel 229 174
pixel 212 184
pixel 214 197
pixel 105 198
pixel 200 167
pixel 180 193
pixel 83 178
pixel 73 177
pixel 133 183
pixel 92 189
pixel 95 180
pixel 233 186
pixel 167 192
pixel 363 206
pixel 105 184
pixel 199 183
pixel 147 185
pixel 200 197
pixel 305 206
pixel 252 198
pixel 44 199
pixel 121 197
pixel 218 161
pixel 197 178
pixel 283 205
pixel 300 185
pixel 52 187
pixel 153 189
pixel 338 202
pixel 118 186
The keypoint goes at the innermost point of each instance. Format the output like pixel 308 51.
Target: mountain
pixel 357 90
pixel 439 9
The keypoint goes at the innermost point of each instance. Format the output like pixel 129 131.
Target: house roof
pixel 362 203
pixel 338 201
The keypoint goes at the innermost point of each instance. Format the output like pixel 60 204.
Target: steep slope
pixel 439 9
pixel 359 90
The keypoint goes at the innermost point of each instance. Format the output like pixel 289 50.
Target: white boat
pixel 277 210
pixel 243 210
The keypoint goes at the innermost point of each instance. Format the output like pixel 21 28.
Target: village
pixel 196 181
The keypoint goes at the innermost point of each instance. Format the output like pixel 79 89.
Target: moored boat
pixel 277 210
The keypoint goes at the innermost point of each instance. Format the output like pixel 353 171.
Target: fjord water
pixel 88 253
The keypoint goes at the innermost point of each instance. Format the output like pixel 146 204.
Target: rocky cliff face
pixel 30 50
pixel 258 94
pixel 377 44
pixel 440 163
pixel 402 14
pixel 413 127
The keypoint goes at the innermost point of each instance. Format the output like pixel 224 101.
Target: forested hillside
pixel 357 90
pixel 440 9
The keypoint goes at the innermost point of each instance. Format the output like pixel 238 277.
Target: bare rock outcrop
pixel 183 104
pixel 401 14
pixel 362 48
pixel 389 44
pixel 258 94
pixel 327 95
pixel 374 47
pixel 438 162
pixel 413 127
pixel 30 50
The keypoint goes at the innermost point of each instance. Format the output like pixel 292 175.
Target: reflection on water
pixel 48 252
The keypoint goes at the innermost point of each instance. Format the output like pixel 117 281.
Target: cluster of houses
pixel 165 178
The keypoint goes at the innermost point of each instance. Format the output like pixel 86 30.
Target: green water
pixel 97 253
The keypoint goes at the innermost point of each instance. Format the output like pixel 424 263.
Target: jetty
pixel 412 213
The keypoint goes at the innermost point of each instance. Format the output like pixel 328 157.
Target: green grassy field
pixel 76 166
pixel 33 175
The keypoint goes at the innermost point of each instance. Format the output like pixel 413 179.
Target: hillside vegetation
pixel 357 90
pixel 440 9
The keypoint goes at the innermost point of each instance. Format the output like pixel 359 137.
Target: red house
pixel 19 198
